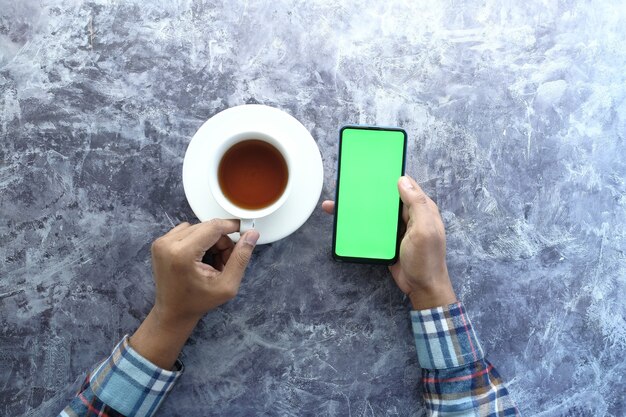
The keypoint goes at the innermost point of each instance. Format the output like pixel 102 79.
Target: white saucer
pixel 307 177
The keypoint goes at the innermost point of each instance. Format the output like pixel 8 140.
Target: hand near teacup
pixel 421 271
pixel 187 288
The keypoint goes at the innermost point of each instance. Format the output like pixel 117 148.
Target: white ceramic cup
pixel 247 217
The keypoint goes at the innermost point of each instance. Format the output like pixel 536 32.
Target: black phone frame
pixel 361 260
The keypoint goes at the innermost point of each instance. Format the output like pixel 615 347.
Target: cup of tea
pixel 249 176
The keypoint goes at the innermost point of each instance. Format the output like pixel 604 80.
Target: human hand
pixel 421 270
pixel 187 288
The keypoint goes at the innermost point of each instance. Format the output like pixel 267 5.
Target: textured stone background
pixel 516 113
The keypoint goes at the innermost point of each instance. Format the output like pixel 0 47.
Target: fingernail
pixel 251 237
pixel 406 183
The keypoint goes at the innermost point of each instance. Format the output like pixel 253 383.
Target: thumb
pixel 239 258
pixel 412 195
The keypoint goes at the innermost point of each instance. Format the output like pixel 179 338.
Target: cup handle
pixel 245 225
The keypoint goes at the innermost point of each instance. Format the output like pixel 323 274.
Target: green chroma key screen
pixel 371 160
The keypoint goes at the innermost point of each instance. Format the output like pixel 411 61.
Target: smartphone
pixel 367 204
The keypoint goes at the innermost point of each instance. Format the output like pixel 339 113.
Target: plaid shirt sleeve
pixel 124 384
pixel 457 380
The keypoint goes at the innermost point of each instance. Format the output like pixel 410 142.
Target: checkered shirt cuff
pixel 130 384
pixel 444 337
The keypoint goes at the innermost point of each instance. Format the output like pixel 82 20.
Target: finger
pixel 214 254
pixel 405 214
pixel 223 243
pixel 222 250
pixel 412 196
pixel 223 257
pixel 206 234
pixel 402 229
pixel 431 203
pixel 183 232
pixel 328 206
pixel 178 228
pixel 395 269
pixel 239 258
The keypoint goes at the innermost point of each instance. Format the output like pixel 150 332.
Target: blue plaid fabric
pixel 457 380
pixel 124 384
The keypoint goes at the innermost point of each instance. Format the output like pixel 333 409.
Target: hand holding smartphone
pixel 367 203
pixel 368 215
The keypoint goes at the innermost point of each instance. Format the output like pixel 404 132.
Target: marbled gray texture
pixel 516 113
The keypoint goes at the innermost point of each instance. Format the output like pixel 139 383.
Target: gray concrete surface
pixel 516 114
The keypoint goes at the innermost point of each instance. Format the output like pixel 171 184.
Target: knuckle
pixel 214 223
pixel 421 198
pixel 176 254
pixel 158 245
pixel 175 250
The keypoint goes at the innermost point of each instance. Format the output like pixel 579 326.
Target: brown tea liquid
pixel 252 174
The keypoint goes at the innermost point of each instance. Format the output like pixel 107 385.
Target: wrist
pixel 173 323
pixel 434 294
pixel 160 338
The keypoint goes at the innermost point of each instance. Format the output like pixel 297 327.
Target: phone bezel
pixel 362 260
